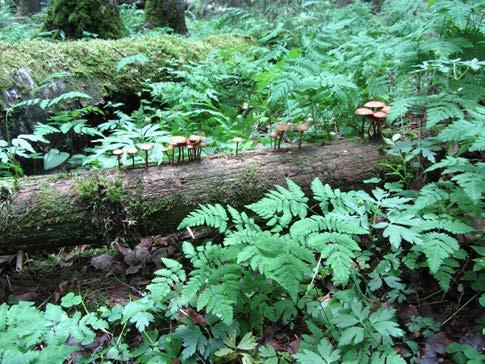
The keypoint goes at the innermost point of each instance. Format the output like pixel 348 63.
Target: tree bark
pixel 101 206
pixel 166 13
pixel 29 7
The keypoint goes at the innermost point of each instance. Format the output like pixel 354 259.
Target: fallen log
pixel 101 206
pixel 89 66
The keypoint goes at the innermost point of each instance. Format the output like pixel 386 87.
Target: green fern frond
pixel 437 247
pixel 214 216
pixel 281 206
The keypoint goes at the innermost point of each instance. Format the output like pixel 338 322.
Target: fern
pixel 437 247
pixel 134 59
pixel 338 251
pixel 214 216
pixel 281 206
pixel 166 279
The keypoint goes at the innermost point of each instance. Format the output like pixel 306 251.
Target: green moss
pixel 47 205
pixel 92 64
pixel 75 17
pixel 98 187
pixel 8 189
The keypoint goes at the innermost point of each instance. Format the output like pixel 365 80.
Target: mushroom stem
pixel 146 158
pixel 180 154
pixel 301 139
pixel 133 161
pixel 237 147
pixel 280 139
pixel 119 162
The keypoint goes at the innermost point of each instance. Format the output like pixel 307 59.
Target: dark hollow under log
pixel 101 206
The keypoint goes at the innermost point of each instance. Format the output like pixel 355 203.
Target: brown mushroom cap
pixel 386 109
pixel 374 104
pixel 190 146
pixel 364 112
pixel 117 152
pixel 302 127
pixel 275 135
pixel 131 150
pixel 196 139
pixel 145 146
pixel 179 140
pixel 380 115
pixel 280 128
pixel 237 139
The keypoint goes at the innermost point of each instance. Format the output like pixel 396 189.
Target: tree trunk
pixel 29 7
pixel 101 206
pixel 77 18
pixel 166 13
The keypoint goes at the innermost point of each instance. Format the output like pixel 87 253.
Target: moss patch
pixel 75 17
pixel 92 64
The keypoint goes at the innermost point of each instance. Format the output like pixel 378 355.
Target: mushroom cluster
pixel 193 144
pixel 376 113
pixel 132 151
pixel 281 129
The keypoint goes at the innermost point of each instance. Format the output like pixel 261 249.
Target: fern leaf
pixel 437 247
pixel 214 216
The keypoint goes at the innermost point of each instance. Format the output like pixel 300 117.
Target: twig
pixel 191 233
pixel 127 285
pixel 317 268
pixel 9 284
pixel 461 308
pixel 20 261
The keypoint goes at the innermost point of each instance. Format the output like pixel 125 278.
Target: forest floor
pixel 109 276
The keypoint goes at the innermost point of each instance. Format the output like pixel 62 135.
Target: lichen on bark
pixel 76 17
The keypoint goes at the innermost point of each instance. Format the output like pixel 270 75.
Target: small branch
pixel 461 308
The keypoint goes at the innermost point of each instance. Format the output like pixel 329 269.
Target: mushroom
pixel 386 109
pixel 191 151
pixel 302 128
pixel 379 118
pixel 132 152
pixel 237 140
pixel 280 129
pixel 374 105
pixel 171 153
pixel 180 142
pixel 364 112
pixel 118 153
pixel 196 140
pixel 274 135
pixel 146 147
pixel 199 151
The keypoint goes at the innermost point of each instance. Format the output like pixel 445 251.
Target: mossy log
pixel 91 68
pixel 101 206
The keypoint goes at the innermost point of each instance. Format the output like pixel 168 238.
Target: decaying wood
pixel 101 206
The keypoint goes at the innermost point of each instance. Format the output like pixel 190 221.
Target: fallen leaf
pixel 102 262
pixel 435 345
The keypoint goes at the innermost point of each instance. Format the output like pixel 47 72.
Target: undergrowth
pixel 332 268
